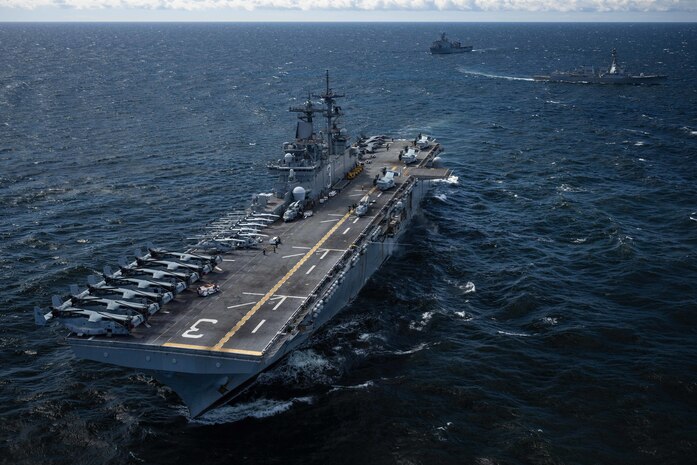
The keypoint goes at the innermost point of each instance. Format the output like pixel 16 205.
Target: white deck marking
pixel 291 256
pixel 356 220
pixel 355 195
pixel 311 268
pixel 379 195
pixel 320 250
pixel 195 329
pixel 252 293
pixel 324 254
pixel 335 214
pixel 258 326
pixel 280 301
pixel 347 230
pixel 241 305
pixel 228 260
pixel 220 345
pixel 330 221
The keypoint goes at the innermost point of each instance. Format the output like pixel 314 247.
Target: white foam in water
pixel 447 425
pixel 452 180
pixel 689 130
pixel 301 367
pixel 365 337
pixel 494 76
pixel 465 316
pixel 467 287
pixel 506 333
pixel 308 363
pixel 413 350
pixel 259 408
pixel 361 386
pixel 568 188
pixel 419 325
pixel 442 197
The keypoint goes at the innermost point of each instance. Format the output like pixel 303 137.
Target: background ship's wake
pixel 494 76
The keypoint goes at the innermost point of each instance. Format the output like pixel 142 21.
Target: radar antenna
pixel 305 129
pixel 332 112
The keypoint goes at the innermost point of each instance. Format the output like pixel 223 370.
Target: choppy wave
pixel 422 322
pixel 511 333
pixel 356 387
pixel 303 368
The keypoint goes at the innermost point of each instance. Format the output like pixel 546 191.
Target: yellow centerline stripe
pixel 219 346
pixel 232 351
pixel 267 296
pixel 242 352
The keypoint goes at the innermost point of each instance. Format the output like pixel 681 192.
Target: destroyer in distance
pixel 260 282
pixel 614 74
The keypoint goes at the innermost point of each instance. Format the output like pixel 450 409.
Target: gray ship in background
pixel 614 74
pixel 257 283
pixel 445 46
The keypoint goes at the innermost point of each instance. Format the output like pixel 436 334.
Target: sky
pixel 350 10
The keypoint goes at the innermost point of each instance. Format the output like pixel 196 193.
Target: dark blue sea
pixel 543 310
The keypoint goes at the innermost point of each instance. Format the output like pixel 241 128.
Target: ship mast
pixel 331 112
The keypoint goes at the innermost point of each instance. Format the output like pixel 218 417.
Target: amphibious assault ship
pixel 258 283
pixel 614 74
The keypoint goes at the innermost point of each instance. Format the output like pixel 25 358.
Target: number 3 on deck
pixel 194 328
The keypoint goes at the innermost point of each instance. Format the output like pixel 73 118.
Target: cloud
pixel 367 5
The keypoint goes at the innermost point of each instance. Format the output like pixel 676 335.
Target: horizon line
pixel 243 21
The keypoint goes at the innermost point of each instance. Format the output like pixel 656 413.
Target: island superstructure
pixel 257 284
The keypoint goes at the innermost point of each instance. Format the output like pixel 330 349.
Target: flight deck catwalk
pixel 276 282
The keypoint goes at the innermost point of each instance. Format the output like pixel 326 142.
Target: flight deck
pixel 262 289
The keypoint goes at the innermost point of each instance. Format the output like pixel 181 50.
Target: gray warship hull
pixel 614 74
pixel 269 284
pixel 450 50
pixel 445 46
pixel 605 79
pixel 272 298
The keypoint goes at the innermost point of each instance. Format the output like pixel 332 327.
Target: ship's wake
pixel 494 76
pixel 258 408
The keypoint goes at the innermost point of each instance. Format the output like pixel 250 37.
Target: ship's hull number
pixel 191 332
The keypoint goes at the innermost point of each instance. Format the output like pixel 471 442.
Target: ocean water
pixel 541 311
